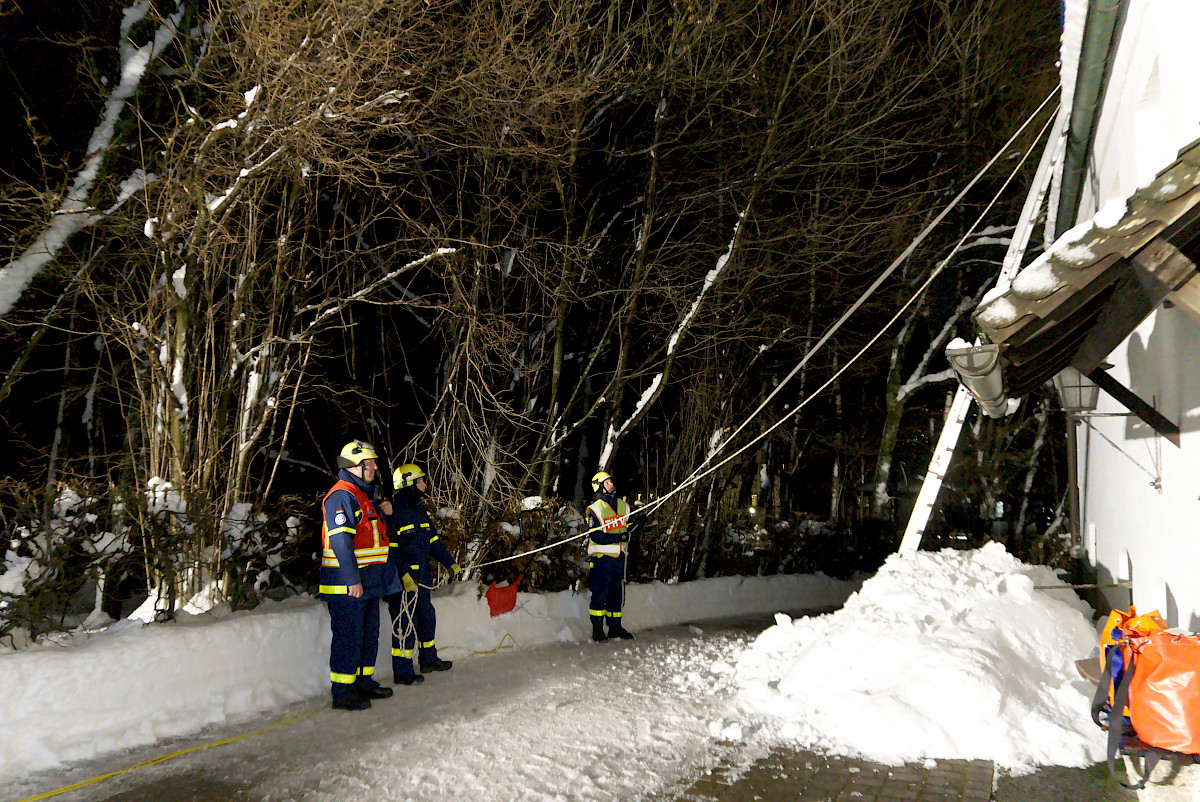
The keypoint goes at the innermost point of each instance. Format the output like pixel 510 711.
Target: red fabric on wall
pixel 502 600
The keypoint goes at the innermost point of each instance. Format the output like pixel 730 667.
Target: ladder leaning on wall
pixel 952 428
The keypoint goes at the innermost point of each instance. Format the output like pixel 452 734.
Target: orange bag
pixel 1127 625
pixel 1152 675
pixel 1164 692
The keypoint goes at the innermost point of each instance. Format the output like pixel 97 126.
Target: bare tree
pixel 494 235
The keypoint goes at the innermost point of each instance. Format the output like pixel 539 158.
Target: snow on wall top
pixel 1120 229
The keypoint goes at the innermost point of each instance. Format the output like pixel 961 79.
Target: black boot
pixel 352 702
pixel 415 679
pixel 370 689
pixel 598 630
pixel 436 665
pixel 618 631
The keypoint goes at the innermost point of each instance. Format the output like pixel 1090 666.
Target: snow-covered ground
pixel 946 655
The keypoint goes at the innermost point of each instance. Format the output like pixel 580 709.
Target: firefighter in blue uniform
pixel 355 574
pixel 608 539
pixel 417 541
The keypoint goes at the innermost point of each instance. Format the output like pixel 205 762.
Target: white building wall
pixel 1139 494
pixel 1152 105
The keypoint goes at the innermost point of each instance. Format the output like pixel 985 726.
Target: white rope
pixel 407 608
pixel 701 471
pixel 697 474
pixel 584 533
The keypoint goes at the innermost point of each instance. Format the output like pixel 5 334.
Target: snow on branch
pixel 341 303
pixel 650 393
pixel 992 235
pixel 219 202
pixel 709 280
pixel 389 97
pixel 75 213
pixel 916 383
pixel 982 241
pixel 918 378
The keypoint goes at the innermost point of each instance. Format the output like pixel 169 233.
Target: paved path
pixel 789 774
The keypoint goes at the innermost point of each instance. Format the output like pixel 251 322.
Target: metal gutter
pixel 1101 35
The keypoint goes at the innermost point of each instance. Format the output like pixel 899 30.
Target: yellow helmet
pixel 406 475
pixel 598 480
pixel 354 452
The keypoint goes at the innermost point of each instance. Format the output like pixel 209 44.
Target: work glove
pixel 456 569
pixel 410 584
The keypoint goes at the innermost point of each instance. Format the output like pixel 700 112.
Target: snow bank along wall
pixel 132 684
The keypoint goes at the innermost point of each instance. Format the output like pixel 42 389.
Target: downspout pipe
pixel 1101 35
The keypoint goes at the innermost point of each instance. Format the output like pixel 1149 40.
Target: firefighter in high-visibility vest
pixel 414 620
pixel 608 539
pixel 355 574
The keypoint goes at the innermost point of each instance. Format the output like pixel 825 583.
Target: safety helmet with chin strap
pixel 355 453
pixel 406 475
pixel 599 479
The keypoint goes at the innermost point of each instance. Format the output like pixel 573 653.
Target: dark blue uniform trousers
pixel 355 626
pixel 606 582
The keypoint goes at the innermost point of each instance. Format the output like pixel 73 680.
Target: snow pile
pixel 132 685
pixel 940 655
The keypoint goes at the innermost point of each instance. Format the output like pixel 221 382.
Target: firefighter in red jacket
pixel 608 539
pixel 355 575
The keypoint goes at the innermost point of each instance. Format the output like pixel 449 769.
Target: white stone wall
pixel 1140 494
pixel 1152 105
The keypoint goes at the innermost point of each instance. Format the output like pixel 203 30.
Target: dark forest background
pixel 515 242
